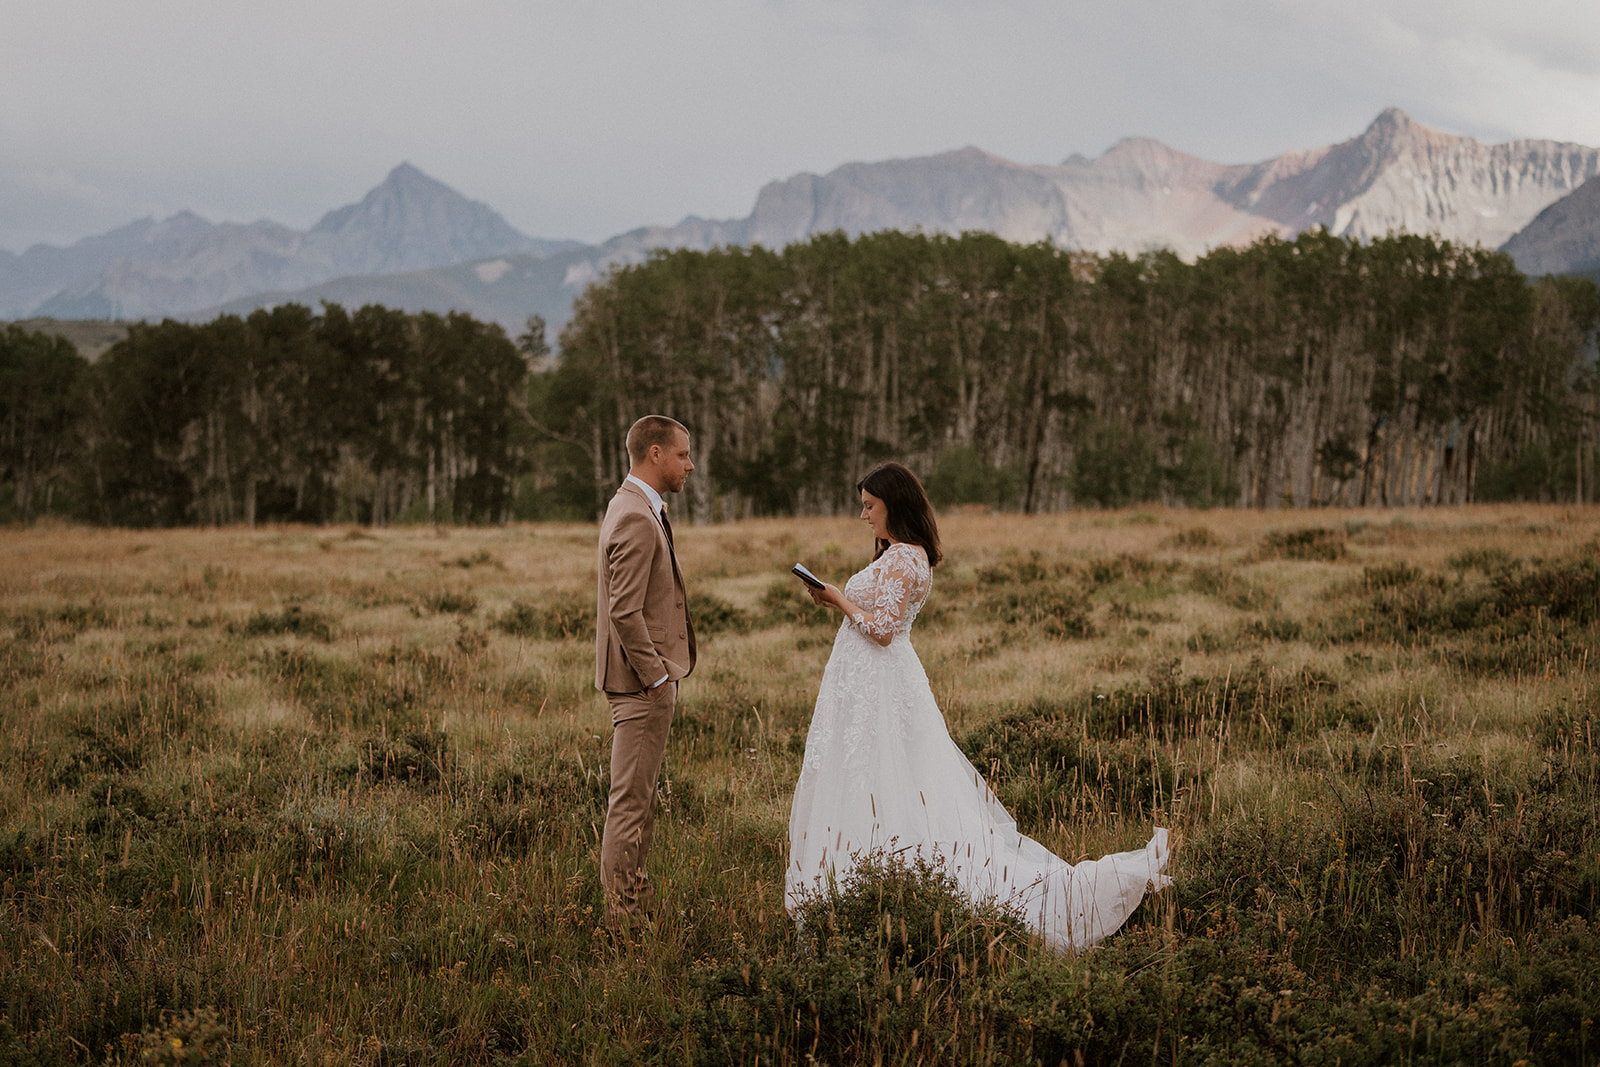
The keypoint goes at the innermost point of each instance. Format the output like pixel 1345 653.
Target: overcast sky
pixel 587 118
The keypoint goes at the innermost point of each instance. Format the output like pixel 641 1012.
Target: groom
pixel 644 643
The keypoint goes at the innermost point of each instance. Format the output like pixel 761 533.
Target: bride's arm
pixel 832 597
pixel 879 621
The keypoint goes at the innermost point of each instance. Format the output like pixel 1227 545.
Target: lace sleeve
pixel 900 585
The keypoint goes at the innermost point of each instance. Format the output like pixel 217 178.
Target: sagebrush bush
pixel 561 616
pixel 884 966
pixel 1306 543
pixel 293 619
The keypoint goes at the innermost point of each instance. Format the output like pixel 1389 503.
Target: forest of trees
pixel 1317 371
pixel 1312 372
pixel 282 416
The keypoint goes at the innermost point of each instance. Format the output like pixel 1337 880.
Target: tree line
pixel 284 415
pixel 1308 372
pixel 1312 372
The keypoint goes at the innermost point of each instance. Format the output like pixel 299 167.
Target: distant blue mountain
pixel 408 222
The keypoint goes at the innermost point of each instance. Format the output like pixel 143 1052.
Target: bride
pixel 882 774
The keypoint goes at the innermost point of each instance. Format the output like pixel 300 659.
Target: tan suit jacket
pixel 642 627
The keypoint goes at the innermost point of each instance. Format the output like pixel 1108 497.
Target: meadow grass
pixel 333 795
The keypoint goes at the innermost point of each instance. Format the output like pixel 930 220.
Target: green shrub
pixel 391 688
pixel 1230 587
pixel 1273 628
pixel 50 625
pixel 293 619
pixel 713 615
pixel 961 477
pixel 1051 608
pixel 785 603
pixel 1307 543
pixel 889 962
pixel 448 602
pixel 562 617
pixel 1522 618
pixel 182 1038
pixel 1044 765
pixel 1567 589
pixel 1390 576
pixel 1194 537
pixel 1115 466
pixel 1029 570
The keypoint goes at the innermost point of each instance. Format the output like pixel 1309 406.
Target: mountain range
pixel 412 242
pixel 184 263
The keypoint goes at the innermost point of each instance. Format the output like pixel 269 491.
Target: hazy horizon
pixel 584 123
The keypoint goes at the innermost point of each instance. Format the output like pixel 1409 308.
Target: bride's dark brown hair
pixel 908 515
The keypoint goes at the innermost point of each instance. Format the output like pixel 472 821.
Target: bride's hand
pixel 827 596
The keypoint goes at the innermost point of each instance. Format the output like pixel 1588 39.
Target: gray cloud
pixel 586 119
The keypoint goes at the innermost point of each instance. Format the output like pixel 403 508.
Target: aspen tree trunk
pixel 432 488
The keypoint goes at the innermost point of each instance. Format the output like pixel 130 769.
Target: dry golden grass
pixel 370 763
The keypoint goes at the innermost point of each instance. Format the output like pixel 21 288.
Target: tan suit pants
pixel 639 739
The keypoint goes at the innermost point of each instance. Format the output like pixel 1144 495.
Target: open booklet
pixel 806 576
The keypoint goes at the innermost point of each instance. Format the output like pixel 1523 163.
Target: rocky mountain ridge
pixel 408 222
pixel 1141 194
pixel 1564 238
pixel 413 242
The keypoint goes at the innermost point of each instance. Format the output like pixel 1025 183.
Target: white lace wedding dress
pixel 881 773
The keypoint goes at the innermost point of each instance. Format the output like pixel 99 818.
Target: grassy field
pixel 333 796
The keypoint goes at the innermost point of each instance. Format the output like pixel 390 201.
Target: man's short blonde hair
pixel 650 431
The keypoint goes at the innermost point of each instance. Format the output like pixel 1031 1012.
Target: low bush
pixel 889 966
pixel 561 616
pixel 448 602
pixel 712 615
pixel 1307 543
pixel 293 619
pixel 1051 609
pixel 1230 587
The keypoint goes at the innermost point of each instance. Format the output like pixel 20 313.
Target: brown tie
pixel 667 526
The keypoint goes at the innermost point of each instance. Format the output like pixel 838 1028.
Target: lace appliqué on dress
pixel 890 591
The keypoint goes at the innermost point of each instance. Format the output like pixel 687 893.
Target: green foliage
pixel 292 619
pixel 290 415
pixel 713 615
pixel 40 405
pixel 1045 766
pixel 1200 478
pixel 1195 537
pixel 189 1037
pixel 1231 587
pixel 886 961
pixel 1116 466
pixel 1052 608
pixel 1029 377
pixel 1018 377
pixel 450 602
pixel 1509 618
pixel 785 604
pixel 562 615
pixel 1308 543
pixel 389 688
pixel 962 477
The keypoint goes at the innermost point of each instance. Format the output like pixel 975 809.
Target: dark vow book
pixel 806 576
